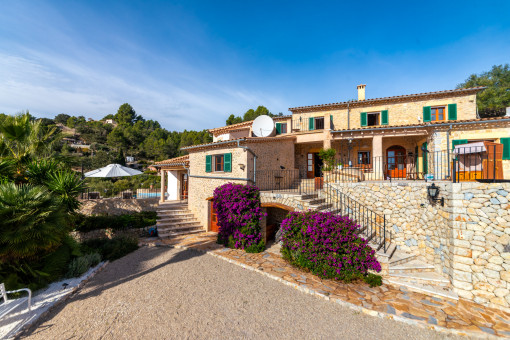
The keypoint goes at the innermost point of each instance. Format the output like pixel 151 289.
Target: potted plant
pixel 328 159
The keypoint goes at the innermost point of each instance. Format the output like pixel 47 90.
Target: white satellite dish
pixel 263 126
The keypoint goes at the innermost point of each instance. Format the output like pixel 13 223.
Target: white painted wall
pixel 173 186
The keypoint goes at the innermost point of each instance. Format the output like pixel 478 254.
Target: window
pixel 281 128
pixel 319 123
pixel 437 114
pixel 364 157
pixel 218 162
pixel 373 119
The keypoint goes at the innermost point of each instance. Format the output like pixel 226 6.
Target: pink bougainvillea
pixel 328 245
pixel 239 214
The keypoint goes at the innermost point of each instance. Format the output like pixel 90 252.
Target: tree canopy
pixel 496 97
pixel 250 115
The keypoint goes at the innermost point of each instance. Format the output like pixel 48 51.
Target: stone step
pixel 412 266
pixel 440 292
pixel 317 201
pixel 320 207
pixel 171 218
pixel 174 212
pixel 391 249
pixel 173 234
pixel 423 278
pixel 177 224
pixel 401 257
pixel 179 228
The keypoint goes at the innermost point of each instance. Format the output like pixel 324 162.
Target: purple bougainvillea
pixel 239 214
pixel 328 245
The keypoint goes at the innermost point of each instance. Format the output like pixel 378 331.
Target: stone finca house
pixel 388 152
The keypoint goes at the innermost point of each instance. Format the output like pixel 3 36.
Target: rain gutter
pixel 423 126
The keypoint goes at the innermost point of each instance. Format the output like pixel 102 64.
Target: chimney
pixel 361 91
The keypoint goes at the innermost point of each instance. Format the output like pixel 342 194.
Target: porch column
pixel 377 156
pixel 327 132
pixel 162 198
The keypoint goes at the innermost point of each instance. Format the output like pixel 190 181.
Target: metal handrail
pixel 373 225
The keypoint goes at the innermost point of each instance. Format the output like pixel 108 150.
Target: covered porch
pixel 174 179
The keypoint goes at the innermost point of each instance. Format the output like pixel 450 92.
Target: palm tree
pixel 22 138
pixel 32 221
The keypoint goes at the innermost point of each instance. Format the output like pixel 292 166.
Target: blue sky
pixel 190 64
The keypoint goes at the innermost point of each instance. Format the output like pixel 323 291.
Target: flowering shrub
pixel 239 215
pixel 329 246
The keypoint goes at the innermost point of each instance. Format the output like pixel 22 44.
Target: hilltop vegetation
pixel 129 135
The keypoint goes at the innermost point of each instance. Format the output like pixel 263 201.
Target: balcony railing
pixel 305 124
pixel 90 194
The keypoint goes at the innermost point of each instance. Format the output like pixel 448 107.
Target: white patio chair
pixel 9 305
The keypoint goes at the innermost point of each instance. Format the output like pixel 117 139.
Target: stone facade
pixel 467 240
pixel 404 112
pixel 481 242
pixel 270 156
pixel 117 206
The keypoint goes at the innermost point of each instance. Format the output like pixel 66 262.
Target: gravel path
pixel 157 293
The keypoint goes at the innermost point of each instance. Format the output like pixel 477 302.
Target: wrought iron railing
pixel 287 181
pixel 304 124
pixel 372 225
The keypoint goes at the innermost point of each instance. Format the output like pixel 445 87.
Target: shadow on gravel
pixel 117 273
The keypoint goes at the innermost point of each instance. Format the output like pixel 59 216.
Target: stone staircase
pixel 175 219
pixel 409 271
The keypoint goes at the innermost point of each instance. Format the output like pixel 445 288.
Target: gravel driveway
pixel 157 293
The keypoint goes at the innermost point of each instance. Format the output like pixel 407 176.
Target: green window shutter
pixel 425 162
pixel 384 117
pixel 452 111
pixel 227 162
pixel 363 119
pixel 426 114
pixel 458 142
pixel 311 123
pixel 506 147
pixel 208 163
pixel 331 126
pixel 278 128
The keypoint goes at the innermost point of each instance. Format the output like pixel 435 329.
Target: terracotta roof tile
pixel 175 161
pixel 244 139
pixel 392 98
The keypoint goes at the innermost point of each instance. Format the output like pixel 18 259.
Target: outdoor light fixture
pixel 433 192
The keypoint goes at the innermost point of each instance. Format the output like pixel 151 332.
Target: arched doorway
pixel 396 162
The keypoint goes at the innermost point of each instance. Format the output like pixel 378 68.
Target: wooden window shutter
pixel 384 117
pixel 452 111
pixel 278 128
pixel 425 158
pixel 458 142
pixel 363 119
pixel 331 126
pixel 311 123
pixel 208 163
pixel 506 147
pixel 227 162
pixel 426 114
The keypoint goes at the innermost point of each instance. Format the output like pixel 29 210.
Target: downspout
pixel 254 159
pixel 348 116
pixel 448 147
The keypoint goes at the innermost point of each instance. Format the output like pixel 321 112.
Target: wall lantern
pixel 433 192
pixel 242 166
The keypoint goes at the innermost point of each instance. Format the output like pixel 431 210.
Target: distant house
pixel 110 121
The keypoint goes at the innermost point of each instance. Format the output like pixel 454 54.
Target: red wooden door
pixel 396 162
pixel 310 166
pixel 184 181
pixel 214 219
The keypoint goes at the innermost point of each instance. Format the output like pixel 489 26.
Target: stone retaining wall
pixel 467 240
pixel 104 233
pixel 117 206
pixel 481 248
pixel 418 225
